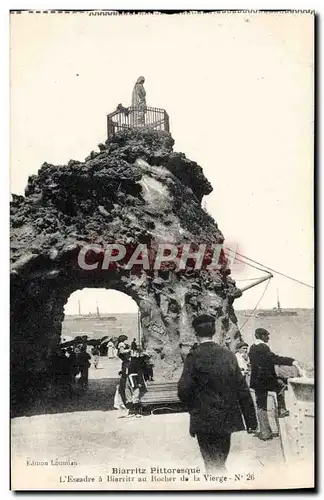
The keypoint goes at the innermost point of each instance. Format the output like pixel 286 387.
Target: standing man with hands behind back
pixel 214 389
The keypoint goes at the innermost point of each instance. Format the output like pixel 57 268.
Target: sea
pixel 292 336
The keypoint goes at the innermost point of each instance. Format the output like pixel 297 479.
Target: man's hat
pixel 202 320
pixel 259 332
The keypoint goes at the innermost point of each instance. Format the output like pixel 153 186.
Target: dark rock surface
pixel 135 189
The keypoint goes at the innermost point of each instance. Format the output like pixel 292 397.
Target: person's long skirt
pixel 111 352
pixel 95 361
pixel 84 376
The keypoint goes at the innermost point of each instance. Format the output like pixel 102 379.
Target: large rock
pixel 135 189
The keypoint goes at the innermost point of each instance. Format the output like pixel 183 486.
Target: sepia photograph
pixel 162 331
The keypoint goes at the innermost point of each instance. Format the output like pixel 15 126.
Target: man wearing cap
pixel 264 379
pixel 213 388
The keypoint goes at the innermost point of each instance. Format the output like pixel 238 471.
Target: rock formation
pixel 135 189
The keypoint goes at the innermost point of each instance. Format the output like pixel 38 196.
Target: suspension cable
pixel 240 260
pixel 267 267
pixel 249 279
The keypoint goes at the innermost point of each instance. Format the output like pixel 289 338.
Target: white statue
pixel 139 102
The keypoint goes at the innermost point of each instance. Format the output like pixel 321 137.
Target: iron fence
pixel 131 117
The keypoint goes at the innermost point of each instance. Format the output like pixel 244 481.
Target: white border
pixel 5 6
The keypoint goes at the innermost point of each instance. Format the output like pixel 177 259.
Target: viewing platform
pixel 132 117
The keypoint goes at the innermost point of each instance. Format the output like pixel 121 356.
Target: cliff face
pixel 135 189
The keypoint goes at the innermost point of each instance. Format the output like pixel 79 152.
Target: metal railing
pixel 124 118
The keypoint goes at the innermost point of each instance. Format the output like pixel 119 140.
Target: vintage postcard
pixel 162 248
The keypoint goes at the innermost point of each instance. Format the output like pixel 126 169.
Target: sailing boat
pixel 276 311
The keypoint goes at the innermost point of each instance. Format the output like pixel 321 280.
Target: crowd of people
pixel 69 367
pixel 216 386
pixel 258 367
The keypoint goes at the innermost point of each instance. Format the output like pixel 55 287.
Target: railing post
pixel 110 127
pixel 166 122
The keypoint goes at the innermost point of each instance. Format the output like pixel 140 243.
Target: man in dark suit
pixel 264 379
pixel 213 388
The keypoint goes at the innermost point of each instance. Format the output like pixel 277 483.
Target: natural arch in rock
pixel 99 312
pixel 134 190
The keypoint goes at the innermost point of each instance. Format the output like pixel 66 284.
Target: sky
pixel 108 301
pixel 239 92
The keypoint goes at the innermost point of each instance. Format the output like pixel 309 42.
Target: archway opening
pixel 91 316
pixel 85 366
pixel 100 313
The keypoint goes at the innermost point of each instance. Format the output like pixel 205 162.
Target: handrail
pixel 261 280
pixel 297 431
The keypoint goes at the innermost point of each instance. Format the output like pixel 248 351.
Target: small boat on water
pixel 276 311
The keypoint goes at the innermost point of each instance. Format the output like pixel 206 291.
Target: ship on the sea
pixel 276 311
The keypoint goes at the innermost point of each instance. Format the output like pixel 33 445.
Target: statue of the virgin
pixel 139 101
